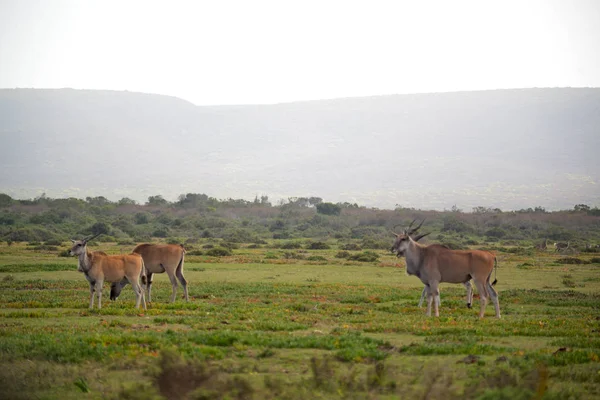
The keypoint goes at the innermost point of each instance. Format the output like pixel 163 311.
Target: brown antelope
pixel 99 267
pixel 542 246
pixel 158 258
pixel 435 264
pixel 425 289
pixel 560 246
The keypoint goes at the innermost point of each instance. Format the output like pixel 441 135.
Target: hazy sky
pixel 242 52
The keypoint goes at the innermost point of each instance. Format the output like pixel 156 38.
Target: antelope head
pixel 403 239
pixel 79 245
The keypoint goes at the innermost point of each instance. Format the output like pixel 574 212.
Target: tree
pixel 100 227
pixel 97 201
pixel 126 201
pixel 581 207
pixel 329 209
pixel 156 201
pixel 5 200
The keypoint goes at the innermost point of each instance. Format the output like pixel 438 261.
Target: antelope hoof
pixel 468 305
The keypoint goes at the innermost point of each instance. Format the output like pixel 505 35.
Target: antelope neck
pixel 413 258
pixel 85 259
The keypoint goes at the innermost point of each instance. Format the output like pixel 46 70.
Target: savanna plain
pixel 264 322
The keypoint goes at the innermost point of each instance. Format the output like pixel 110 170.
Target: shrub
pixel 342 254
pixel 30 235
pixel 365 256
pixel 316 258
pixel 195 253
pixel 374 244
pixel 219 252
pixel 64 253
pixel 351 246
pixel 291 245
pixel 161 232
pixel 497 233
pixel 571 260
pixel 318 246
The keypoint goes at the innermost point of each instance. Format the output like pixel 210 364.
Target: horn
pixel 92 237
pixel 411 231
pixel 421 236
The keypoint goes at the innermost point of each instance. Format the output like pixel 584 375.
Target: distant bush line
pixel 298 223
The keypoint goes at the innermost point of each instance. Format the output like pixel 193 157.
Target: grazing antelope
pixel 425 289
pixel 98 267
pixel 158 258
pixel 560 246
pixel 435 264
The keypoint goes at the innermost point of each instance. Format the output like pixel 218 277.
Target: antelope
pixel 435 264
pixel 467 284
pixel 560 246
pixel 543 245
pixel 98 267
pixel 158 258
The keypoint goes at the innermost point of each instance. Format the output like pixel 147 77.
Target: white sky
pixel 244 52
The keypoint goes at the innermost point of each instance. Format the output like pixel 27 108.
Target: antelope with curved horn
pixel 435 264
pixel 425 291
pixel 99 267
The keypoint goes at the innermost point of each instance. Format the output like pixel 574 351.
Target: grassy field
pixel 270 323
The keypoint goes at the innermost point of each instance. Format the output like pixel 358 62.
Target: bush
pixel 161 233
pixel 219 252
pixel 30 235
pixel 374 244
pixel 351 246
pixel 365 256
pixel 64 253
pixel 316 258
pixel 291 245
pixel 318 246
pixel 571 260
pixel 342 254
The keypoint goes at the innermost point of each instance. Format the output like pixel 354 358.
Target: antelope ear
pixel 73 240
pixel 394 233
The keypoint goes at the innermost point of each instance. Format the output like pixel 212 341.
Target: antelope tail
pixel 495 271
pixel 143 275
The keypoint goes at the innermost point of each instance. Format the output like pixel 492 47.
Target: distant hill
pixel 508 149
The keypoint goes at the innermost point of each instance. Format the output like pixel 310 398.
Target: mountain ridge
pixel 508 149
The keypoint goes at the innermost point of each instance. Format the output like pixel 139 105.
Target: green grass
pixel 293 328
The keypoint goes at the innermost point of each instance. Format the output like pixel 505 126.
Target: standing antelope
pixel 98 267
pixel 560 246
pixel 158 258
pixel 467 284
pixel 435 264
pixel 543 245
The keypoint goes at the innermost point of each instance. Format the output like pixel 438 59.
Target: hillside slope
pixel 506 148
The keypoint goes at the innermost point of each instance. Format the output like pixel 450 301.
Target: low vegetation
pixel 309 305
